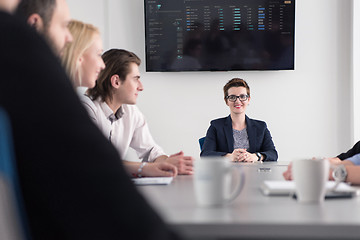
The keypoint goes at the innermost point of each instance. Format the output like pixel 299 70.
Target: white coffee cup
pixel 310 177
pixel 213 179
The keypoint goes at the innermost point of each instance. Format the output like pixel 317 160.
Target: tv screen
pixel 219 35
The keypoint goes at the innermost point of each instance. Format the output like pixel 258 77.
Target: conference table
pixel 253 215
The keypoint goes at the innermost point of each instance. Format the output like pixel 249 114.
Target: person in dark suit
pixel 237 136
pixel 350 153
pixel 72 180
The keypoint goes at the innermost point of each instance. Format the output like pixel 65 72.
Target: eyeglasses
pixel 242 97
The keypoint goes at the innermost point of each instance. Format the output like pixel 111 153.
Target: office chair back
pixel 13 225
pixel 201 142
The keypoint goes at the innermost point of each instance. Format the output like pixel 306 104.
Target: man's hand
pixel 333 161
pixel 183 163
pixel 160 169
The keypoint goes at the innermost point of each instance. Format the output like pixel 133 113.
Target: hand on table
pixel 241 155
pixel 183 163
pixel 334 160
pixel 288 173
pixel 159 169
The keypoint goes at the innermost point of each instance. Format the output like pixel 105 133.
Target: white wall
pixel 356 71
pixel 308 110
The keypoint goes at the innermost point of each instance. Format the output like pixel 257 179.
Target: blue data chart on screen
pixel 219 35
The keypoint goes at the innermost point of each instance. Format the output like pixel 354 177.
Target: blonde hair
pixel 83 36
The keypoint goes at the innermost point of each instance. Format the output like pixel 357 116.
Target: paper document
pixel 152 180
pixel 278 188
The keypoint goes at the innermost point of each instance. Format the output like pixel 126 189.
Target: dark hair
pixel 45 9
pixel 117 62
pixel 236 82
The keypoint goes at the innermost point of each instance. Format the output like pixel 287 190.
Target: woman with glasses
pixel 237 136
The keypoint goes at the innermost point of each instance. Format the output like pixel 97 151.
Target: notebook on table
pixel 152 180
pixel 287 188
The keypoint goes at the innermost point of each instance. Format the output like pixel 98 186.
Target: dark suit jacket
pixel 353 151
pixel 72 179
pixel 219 138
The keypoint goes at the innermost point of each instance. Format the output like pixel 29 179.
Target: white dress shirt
pixel 126 128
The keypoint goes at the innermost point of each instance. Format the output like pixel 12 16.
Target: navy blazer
pixel 353 151
pixel 219 139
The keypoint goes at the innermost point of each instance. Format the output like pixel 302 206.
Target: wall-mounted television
pixel 219 35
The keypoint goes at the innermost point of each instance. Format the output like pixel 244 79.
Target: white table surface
pixel 254 215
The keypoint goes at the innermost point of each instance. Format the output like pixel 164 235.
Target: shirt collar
pixel 110 114
pixel 119 113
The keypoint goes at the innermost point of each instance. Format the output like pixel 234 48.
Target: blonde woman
pixel 82 58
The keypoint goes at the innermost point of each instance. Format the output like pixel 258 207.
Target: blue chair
pixel 201 142
pixel 13 224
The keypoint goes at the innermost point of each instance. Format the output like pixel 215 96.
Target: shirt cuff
pixel 355 159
